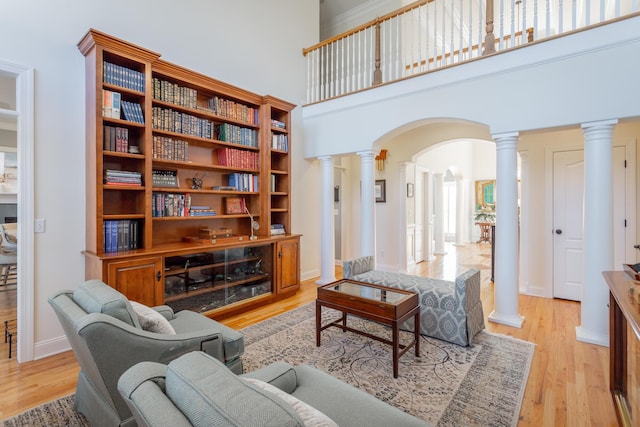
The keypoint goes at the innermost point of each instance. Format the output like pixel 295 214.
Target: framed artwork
pixel 486 194
pixel 381 190
pixel 233 205
pixel 409 189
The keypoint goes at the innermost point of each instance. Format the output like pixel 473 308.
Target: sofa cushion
pixel 95 296
pixel 150 320
pixel 307 413
pixel 208 394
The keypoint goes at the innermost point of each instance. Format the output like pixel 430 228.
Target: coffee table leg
pixel 318 322
pixel 395 344
pixel 416 328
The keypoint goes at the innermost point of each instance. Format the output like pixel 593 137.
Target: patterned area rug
pixel 448 385
pixel 55 413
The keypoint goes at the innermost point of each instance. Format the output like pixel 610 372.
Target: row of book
pixel 243 181
pixel 278 124
pixel 164 178
pixel 279 142
pixel 233 110
pixel 167 148
pixel 170 204
pixel 166 91
pixel 132 111
pixel 277 229
pixel 236 134
pixel 121 235
pixel 119 177
pixel 175 121
pixel 116 139
pixel 122 76
pixel 111 104
pixel 237 158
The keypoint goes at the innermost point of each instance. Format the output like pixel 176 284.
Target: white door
pixel 568 194
pixel 568 191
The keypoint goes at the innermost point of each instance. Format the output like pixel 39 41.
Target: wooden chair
pixel 8 256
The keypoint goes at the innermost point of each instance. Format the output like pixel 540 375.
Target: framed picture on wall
pixel 381 190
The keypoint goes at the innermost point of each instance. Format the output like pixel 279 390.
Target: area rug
pixel 55 413
pixel 448 385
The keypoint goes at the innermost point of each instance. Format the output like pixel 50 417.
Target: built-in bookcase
pixel 171 155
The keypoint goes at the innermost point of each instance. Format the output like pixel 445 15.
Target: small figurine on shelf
pixel 196 183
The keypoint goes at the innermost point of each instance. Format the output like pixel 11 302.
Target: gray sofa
pixel 196 389
pixel 107 338
pixel 449 311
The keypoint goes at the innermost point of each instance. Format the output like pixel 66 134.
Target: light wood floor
pixel 568 383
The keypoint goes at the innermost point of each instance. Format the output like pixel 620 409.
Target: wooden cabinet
pixel 139 278
pixel 624 347
pixel 174 157
pixel 288 264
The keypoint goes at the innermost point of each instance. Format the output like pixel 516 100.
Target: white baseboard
pixel 50 347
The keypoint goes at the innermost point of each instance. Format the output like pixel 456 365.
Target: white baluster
pixel 560 17
pixel 444 31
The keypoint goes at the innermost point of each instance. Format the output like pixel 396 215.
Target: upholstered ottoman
pixel 450 311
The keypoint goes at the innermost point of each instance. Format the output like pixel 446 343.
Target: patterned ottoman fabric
pixel 450 311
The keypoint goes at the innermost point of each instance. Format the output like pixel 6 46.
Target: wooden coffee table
pixel 379 303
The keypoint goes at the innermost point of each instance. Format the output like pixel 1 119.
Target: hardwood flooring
pixel 568 383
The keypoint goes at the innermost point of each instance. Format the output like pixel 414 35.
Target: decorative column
pixel 506 290
pixel 524 221
pixel 438 210
pixel 598 231
pixel 428 217
pixel 460 209
pixel 327 239
pixel 367 203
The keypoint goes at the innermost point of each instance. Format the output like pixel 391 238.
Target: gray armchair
pixel 197 390
pixel 107 338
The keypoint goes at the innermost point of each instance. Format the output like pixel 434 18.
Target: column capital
pixel 506 136
pixel 324 158
pixel 599 124
pixel 365 154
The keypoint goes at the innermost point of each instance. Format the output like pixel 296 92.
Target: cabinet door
pixel 139 279
pixel 288 265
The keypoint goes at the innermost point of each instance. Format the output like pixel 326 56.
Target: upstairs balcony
pixel 430 35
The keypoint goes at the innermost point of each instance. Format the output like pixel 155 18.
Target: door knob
pixel 558 231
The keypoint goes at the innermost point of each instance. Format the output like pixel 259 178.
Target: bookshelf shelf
pixel 160 138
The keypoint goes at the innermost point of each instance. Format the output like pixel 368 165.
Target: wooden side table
pixel 485 231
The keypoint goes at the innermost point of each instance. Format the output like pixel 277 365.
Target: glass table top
pixel 369 292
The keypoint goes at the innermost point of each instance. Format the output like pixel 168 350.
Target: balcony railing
pixel 431 34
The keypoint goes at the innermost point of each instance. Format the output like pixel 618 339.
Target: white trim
pixel 591 338
pixel 25 129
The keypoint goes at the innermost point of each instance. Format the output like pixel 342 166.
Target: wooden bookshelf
pixel 214 141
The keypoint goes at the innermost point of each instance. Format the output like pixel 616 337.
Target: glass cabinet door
pixel 207 281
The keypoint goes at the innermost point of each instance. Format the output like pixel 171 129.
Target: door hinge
pixel 625 223
pixel 625 164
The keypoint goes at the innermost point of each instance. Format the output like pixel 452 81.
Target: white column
pixel 598 231
pixel 438 210
pixel 524 221
pixel 327 239
pixel 428 217
pixel 367 224
pixel 403 253
pixel 460 210
pixel 506 241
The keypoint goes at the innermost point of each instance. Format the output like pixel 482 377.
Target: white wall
pixel 247 44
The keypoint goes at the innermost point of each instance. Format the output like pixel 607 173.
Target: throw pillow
pixel 307 413
pixel 150 320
